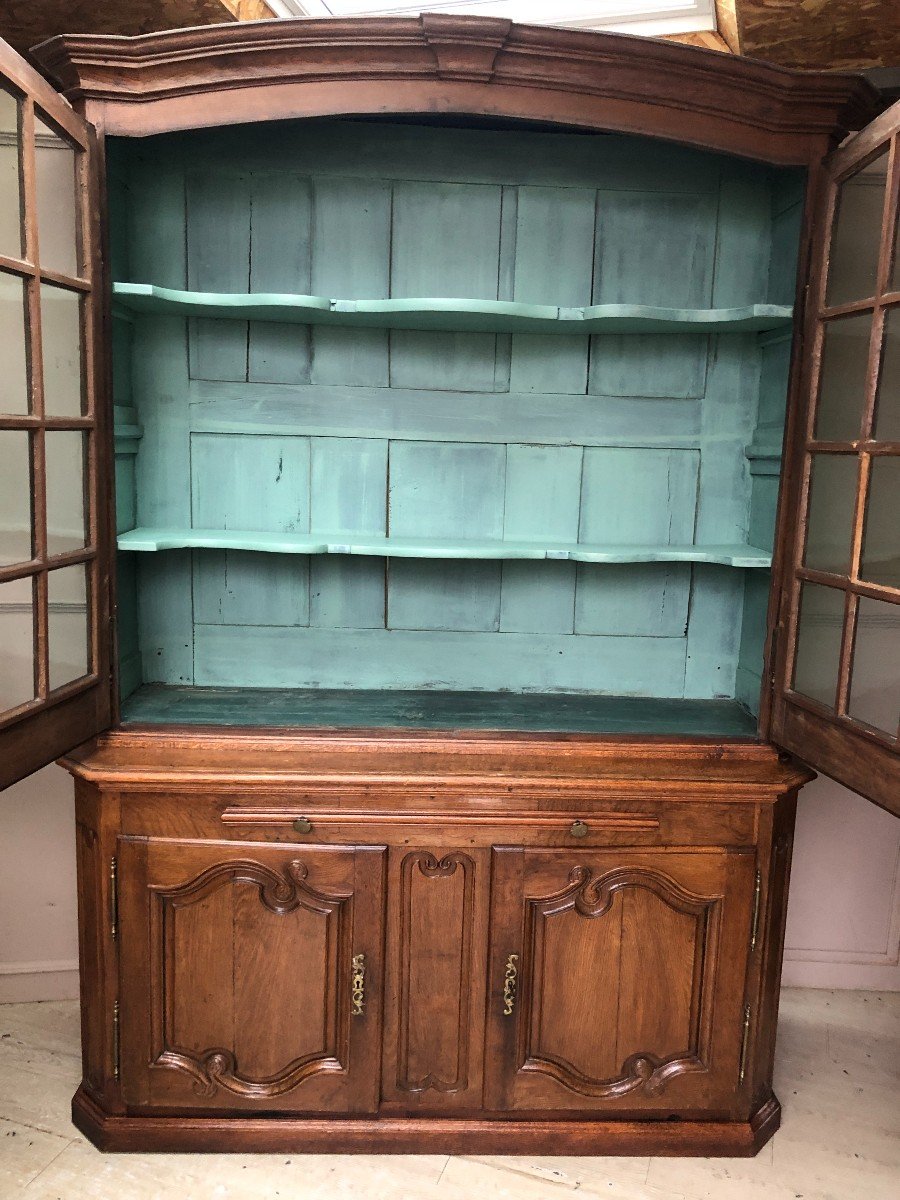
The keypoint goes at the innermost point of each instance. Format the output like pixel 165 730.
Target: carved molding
pixel 457 63
pixel 591 898
pixel 642 1071
pixel 428 866
pixel 218 1069
pixel 280 892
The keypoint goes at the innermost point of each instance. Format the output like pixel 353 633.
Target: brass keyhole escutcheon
pixel 579 829
pixel 303 825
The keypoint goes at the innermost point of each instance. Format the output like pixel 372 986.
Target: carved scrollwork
pixel 593 897
pixel 218 1069
pixel 280 892
pixel 639 1071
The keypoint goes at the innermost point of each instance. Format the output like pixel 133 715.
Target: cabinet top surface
pixel 491 763
pixel 446 63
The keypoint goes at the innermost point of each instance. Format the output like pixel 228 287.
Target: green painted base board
pixel 532 712
pixel 450 314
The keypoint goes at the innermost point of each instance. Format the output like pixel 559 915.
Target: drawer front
pixel 558 821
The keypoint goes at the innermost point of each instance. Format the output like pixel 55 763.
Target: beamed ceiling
pixel 835 34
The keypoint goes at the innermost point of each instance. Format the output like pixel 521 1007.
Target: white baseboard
pixel 841 976
pixel 52 979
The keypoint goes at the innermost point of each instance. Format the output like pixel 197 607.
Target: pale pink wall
pixel 843 919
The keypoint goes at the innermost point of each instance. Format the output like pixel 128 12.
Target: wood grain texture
pixel 443 62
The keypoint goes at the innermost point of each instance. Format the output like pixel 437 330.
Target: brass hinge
pixel 115 1032
pixel 745 1040
pixel 113 898
pixel 754 926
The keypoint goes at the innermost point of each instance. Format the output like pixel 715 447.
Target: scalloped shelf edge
pixel 443 548
pixel 451 315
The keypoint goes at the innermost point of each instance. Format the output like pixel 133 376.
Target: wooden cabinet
pixel 245 972
pixel 448 468
pixel 617 979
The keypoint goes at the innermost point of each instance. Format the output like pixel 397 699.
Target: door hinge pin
pixel 114 898
pixel 745 1041
pixel 754 927
pixel 115 1031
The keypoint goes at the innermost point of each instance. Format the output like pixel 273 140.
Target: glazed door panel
pixel 250 975
pixel 617 979
pixel 56 540
pixel 436 978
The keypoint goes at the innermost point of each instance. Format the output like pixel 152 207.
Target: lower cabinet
pixel 344 979
pixel 250 975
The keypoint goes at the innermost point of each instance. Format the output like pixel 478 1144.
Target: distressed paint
pixel 493 476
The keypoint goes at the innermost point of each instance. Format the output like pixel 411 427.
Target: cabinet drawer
pixel 560 822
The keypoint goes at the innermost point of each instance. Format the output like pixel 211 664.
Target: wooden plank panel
pixel 218 260
pixel 280 214
pixel 348 494
pixel 554 249
pixel 636 494
pixel 575 990
pixel 372 149
pixel 445 489
pixel 270 993
pixel 656 979
pixel 417 415
pixel 630 257
pixel 351 257
pixel 445 242
pixel 197 975
pixel 543 493
pixel 159 383
pixel 250 483
pixel 231 656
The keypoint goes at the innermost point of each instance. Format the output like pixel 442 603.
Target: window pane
pixel 15 496
pixel 61 348
pixel 832 501
pixel 819 631
pixel 66 523
pixel 875 681
pixel 10 179
pixel 67 624
pixel 887 410
pixel 881 536
pixel 56 201
pixel 17 641
pixel 14 390
pixel 842 382
pixel 853 268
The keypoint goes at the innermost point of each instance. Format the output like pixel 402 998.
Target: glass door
pixel 54 652
pixel 838 703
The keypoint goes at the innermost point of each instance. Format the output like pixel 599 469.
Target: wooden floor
pixel 838 1077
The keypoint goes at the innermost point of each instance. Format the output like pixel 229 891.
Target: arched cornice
pixel 440 63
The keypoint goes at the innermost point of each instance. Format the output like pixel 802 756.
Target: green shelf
pixel 446 548
pixel 452 315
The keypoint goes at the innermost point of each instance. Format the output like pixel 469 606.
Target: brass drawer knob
pixel 579 829
pixel 303 825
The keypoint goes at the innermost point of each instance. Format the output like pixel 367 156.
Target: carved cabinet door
pixel 250 975
pixel 617 979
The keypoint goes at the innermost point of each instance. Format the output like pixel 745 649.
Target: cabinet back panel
pixel 614 439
